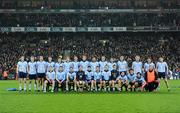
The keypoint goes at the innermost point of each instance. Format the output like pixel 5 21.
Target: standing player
pixel 89 78
pixel 122 81
pixel 114 75
pixel 71 80
pixel 111 64
pixel 80 77
pixel 94 64
pixel 75 63
pixel 97 79
pixel 147 64
pixel 60 78
pixel 22 72
pixel 59 63
pixel 162 70
pixel 50 79
pixel 50 63
pixel 131 79
pixel 122 65
pixel 137 65
pixel 41 72
pixel 84 63
pixel 32 73
pixel 67 64
pixel 105 78
pixel 102 63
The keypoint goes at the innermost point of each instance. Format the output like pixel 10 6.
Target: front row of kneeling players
pixel 97 81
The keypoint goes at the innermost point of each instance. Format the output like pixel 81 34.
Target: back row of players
pixel 94 75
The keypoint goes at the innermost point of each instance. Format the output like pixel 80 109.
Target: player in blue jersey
pixel 113 77
pixel 75 63
pixel 139 82
pixel 50 79
pixel 137 65
pixel 59 63
pixel 32 73
pixel 94 64
pixel 89 78
pixel 162 70
pixel 21 70
pixel 147 64
pixel 84 63
pixel 50 63
pixel 97 79
pixel 80 79
pixel 131 79
pixel 111 64
pixel 41 72
pixel 122 65
pixel 105 78
pixel 71 80
pixel 60 79
pixel 67 64
pixel 103 63
pixel 122 81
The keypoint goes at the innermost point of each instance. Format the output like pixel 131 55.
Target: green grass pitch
pixel 130 102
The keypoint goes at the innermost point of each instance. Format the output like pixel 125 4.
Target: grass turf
pixel 131 102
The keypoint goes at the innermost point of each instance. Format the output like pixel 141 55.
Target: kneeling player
pixel 114 75
pixel 80 76
pixel 71 80
pixel 105 78
pixel 50 79
pixel 122 81
pixel 97 79
pixel 89 78
pixel 131 79
pixel 139 82
pixel 60 79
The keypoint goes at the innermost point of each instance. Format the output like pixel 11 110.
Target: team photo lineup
pixel 90 75
pixel 89 56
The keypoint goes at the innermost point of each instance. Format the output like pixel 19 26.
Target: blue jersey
pixel 131 78
pixel 67 66
pixel 50 64
pixel 84 65
pixel 22 66
pixel 146 66
pixel 162 67
pixel 71 75
pixel 75 65
pixel 41 67
pixel 102 64
pixel 97 75
pixel 89 75
pixel 32 68
pixel 50 75
pixel 61 75
pixel 122 66
pixel 106 75
pixel 111 64
pixel 137 67
pixel 139 80
pixel 122 78
pixel 57 65
pixel 94 65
